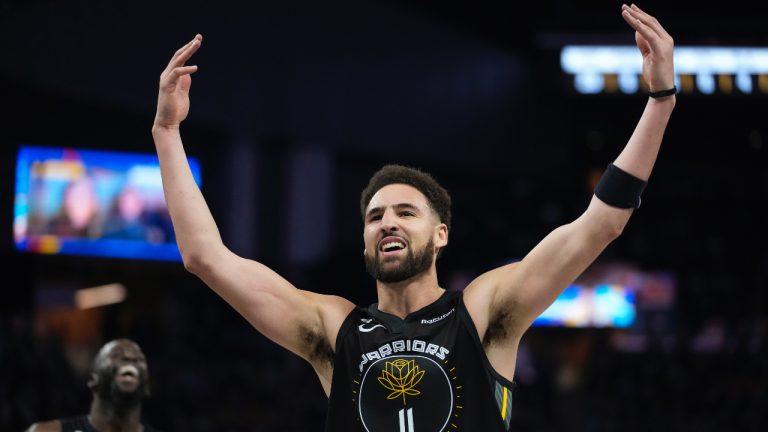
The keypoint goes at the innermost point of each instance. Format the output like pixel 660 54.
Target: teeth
pixel 390 245
pixel 128 370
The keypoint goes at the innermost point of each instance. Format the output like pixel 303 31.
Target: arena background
pixel 296 104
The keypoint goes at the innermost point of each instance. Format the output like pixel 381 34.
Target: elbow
pixel 613 229
pixel 604 223
pixel 199 253
pixel 197 262
pixel 192 262
pixel 606 230
pixel 603 228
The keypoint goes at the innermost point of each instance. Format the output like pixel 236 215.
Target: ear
pixel 93 380
pixel 441 236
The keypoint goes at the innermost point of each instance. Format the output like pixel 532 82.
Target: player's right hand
pixel 175 81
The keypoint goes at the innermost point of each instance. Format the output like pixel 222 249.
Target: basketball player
pixel 119 381
pixel 421 359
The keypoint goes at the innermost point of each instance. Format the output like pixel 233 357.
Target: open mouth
pixel 391 244
pixel 128 371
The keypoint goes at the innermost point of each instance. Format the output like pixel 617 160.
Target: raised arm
pixel 303 322
pixel 517 293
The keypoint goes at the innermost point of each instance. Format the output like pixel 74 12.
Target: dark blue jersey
pixel 425 373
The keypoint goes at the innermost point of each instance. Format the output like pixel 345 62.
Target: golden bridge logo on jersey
pixel 409 393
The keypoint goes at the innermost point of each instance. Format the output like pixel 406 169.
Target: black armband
pixel 663 93
pixel 620 189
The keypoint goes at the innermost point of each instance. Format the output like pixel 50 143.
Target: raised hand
pixel 656 46
pixel 175 81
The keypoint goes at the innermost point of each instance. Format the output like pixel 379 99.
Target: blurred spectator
pixel 78 215
pixel 130 219
pixel 119 381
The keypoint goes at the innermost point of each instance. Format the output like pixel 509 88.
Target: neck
pixel 403 298
pixel 106 416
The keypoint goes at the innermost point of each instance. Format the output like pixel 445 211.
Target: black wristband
pixel 620 189
pixel 663 93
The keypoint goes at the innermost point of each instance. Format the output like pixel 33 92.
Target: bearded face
pixel 401 234
pixel 393 270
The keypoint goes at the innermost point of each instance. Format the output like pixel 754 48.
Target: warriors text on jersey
pixel 426 373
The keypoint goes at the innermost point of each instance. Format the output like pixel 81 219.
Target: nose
pixel 389 221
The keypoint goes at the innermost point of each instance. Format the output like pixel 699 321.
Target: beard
pixel 108 389
pixel 413 264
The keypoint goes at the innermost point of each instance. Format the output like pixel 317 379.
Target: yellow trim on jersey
pixel 504 405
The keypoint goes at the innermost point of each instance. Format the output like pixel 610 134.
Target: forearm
pixel 639 155
pixel 193 223
pixel 637 159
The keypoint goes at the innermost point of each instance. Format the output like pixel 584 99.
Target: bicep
pixel 534 283
pixel 297 320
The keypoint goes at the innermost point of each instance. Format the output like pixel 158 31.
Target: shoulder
pixel 333 302
pixel 485 295
pixel 47 426
pixel 483 290
pixel 333 309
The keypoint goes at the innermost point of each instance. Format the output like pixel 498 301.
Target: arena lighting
pixel 102 295
pixel 602 305
pixel 608 69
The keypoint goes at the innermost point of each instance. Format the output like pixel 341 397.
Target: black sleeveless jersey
pixel 77 424
pixel 426 373
pixel 81 424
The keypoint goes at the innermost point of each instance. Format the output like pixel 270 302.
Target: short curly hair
pixel 438 197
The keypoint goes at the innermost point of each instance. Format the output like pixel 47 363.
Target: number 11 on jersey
pixel 406 418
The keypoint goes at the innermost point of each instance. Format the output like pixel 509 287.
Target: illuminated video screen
pixel 92 202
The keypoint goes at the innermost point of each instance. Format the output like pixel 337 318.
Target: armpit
pixel 317 347
pixel 500 326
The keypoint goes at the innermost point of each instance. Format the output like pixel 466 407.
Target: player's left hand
pixel 656 46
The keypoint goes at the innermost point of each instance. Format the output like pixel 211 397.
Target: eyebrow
pixel 401 206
